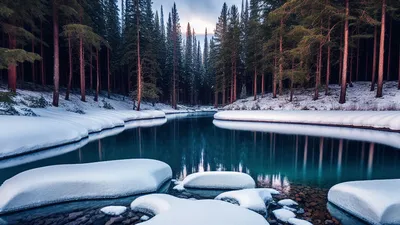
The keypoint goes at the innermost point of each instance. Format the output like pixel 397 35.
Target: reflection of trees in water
pixel 195 145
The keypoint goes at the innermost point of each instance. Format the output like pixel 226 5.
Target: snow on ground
pixel 375 201
pixel 113 210
pixel 287 202
pixel 295 221
pixel 359 97
pixel 253 199
pixel 368 135
pixel 283 215
pixel 218 180
pixel 20 135
pixel 366 119
pixel 169 210
pixel 99 180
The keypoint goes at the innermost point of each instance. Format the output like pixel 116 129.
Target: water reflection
pixel 196 145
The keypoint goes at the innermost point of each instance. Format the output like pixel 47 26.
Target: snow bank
pixel 368 135
pixel 219 180
pixel 113 210
pixel 111 179
pixel 366 119
pixel 376 201
pixel 283 215
pixel 169 210
pixel 287 202
pixel 294 221
pixel 20 134
pixel 253 199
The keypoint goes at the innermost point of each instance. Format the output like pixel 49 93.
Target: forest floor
pixel 35 96
pixel 359 97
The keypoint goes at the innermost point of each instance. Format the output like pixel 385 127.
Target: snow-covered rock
pixel 169 210
pixel 113 210
pixel 111 179
pixel 368 135
pixel 283 215
pixel 20 134
pixel 220 180
pixel 287 202
pixel 295 221
pixel 253 199
pixel 375 201
pixel 366 119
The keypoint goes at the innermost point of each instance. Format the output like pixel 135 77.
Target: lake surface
pixel 191 145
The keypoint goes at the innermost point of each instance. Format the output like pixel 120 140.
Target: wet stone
pixel 115 220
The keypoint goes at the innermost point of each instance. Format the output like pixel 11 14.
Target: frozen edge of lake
pixel 379 120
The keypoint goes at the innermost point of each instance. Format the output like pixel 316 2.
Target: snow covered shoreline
pixel 387 120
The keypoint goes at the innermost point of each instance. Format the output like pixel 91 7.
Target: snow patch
pixel 283 215
pixel 375 201
pixel 113 210
pixel 62 183
pixel 253 199
pixel 169 210
pixel 287 202
pixel 219 180
pixel 294 221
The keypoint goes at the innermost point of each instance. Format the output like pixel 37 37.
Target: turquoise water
pixel 194 144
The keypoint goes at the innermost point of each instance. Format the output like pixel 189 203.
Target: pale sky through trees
pixel 201 14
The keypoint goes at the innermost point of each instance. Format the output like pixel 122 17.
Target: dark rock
pixel 74 215
pixel 327 222
pixel 115 220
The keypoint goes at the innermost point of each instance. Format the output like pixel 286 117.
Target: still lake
pixel 195 144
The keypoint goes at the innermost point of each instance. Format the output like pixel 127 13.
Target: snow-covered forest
pixel 257 48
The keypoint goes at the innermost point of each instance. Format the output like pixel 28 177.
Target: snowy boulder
pixel 287 202
pixel 283 215
pixel 294 221
pixel 20 135
pixel 63 183
pixel 253 199
pixel 169 210
pixel 219 181
pixel 113 210
pixel 375 201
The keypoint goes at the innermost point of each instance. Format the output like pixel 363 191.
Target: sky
pixel 201 14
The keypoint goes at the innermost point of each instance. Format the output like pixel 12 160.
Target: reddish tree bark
pixel 342 99
pixel 56 78
pixel 91 69
pixel 262 84
pixel 12 68
pixel 274 76
pixel 139 66
pixel 373 77
pixel 292 82
pixel 108 72
pixel 390 50
pixel 381 51
pixel 255 84
pixel 358 56
pixel 70 69
pixel 223 90
pixel 281 60
pixel 328 61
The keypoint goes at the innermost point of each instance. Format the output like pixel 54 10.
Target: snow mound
pixel 113 210
pixel 283 215
pixel 219 180
pixel 253 199
pixel 294 221
pixel 375 201
pixel 20 134
pixel 62 183
pixel 366 119
pixel 169 210
pixel 368 135
pixel 287 202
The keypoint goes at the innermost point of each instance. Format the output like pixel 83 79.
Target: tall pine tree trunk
pixel 232 81
pixel 319 69
pixel 328 60
pixel 33 63
pixel 262 84
pixel 91 69
pixel 42 54
pixel 390 50
pixel 274 78
pixel 255 83
pixel 108 72
pixel 96 97
pixel 341 58
pixel 139 64
pixel 350 80
pixel 281 60
pixel 345 56
pixel 235 84
pixel 373 77
pixel 12 68
pixel 82 69
pixel 223 90
pixel 70 68
pixel 398 86
pixel 56 94
pixel 358 56
pixel 381 52
pixel 291 82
